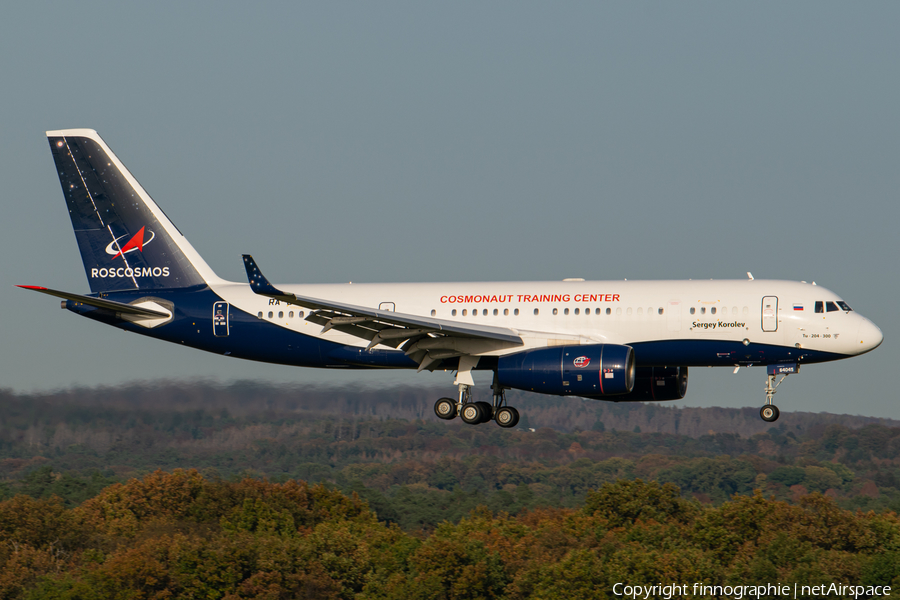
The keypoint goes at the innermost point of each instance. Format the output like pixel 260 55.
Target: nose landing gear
pixel 769 412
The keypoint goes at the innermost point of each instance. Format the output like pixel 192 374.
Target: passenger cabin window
pixel 484 312
pixel 537 312
pixel 577 311
pixel 506 312
pixel 566 311
pixel 453 313
pixel 516 312
pixel 259 314
pixel 712 311
pixel 693 310
pixel 609 311
pixel 433 312
pixel 831 306
pixel 291 315
pixel 270 314
pixel 280 314
pixel 495 312
pixel 555 311
pixel 661 311
pixel 820 307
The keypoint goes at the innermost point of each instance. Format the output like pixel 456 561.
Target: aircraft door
pixel 673 320
pixel 770 313
pixel 220 319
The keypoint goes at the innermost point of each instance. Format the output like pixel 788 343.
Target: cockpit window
pixel 820 306
pixel 832 307
pixel 844 305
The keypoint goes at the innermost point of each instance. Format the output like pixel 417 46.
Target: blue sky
pixel 468 141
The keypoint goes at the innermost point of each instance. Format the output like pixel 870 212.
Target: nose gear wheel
pixel 769 413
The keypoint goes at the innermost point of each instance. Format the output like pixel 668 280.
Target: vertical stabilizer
pixel 126 241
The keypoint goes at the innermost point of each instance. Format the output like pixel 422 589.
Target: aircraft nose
pixel 870 336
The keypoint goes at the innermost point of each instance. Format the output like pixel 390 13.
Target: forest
pixel 183 490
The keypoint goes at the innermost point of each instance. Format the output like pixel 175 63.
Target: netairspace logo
pixel 701 590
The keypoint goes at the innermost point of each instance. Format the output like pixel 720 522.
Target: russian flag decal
pixel 798 307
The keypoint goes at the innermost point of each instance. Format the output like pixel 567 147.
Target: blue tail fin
pixel 126 241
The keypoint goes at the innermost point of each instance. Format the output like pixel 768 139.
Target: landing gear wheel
pixel 507 416
pixel 471 413
pixel 445 408
pixel 769 413
pixel 487 410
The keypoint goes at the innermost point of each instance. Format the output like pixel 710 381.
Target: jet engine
pixel 657 384
pixel 590 370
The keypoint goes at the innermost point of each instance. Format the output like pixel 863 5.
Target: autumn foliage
pixel 180 535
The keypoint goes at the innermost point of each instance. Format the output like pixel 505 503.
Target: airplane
pixel 619 341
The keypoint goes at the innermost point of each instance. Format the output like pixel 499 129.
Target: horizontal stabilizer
pixel 119 307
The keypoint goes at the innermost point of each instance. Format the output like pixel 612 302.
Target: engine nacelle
pixel 594 370
pixel 658 384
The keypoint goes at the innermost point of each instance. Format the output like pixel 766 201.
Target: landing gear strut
pixel 506 416
pixel 474 413
pixel 769 412
pixel 471 412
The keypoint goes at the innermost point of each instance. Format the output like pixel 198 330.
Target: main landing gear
pixel 769 412
pixel 475 413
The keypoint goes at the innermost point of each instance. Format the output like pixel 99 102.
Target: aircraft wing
pixel 426 340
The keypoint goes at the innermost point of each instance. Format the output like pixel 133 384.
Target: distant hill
pixel 246 398
pixel 416 470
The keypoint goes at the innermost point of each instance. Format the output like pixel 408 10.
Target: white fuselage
pixel 772 312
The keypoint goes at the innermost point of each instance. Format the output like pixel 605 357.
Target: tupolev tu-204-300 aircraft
pixel 607 340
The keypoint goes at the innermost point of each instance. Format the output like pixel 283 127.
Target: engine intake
pixel 593 370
